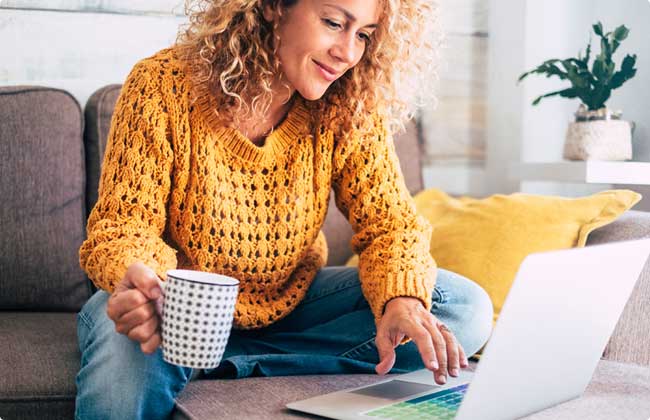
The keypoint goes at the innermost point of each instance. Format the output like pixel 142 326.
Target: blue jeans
pixel 332 331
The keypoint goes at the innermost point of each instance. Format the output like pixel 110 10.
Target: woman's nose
pixel 345 49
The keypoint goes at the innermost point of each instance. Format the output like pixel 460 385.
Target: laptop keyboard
pixel 438 405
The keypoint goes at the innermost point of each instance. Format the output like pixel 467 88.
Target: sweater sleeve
pixel 391 239
pixel 128 220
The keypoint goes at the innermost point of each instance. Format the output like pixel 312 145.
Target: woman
pixel 221 156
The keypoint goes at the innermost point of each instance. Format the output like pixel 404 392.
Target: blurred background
pixel 483 126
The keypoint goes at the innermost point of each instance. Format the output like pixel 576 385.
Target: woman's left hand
pixel 438 347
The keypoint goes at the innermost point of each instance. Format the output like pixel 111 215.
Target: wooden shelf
pixel 589 172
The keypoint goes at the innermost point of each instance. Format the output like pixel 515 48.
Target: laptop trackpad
pixel 392 390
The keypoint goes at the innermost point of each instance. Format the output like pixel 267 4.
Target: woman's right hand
pixel 134 307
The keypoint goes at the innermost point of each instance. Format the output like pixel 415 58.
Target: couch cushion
pixel 617 391
pixel 257 398
pixel 39 358
pixel 338 231
pixel 630 341
pixel 98 113
pixel 42 216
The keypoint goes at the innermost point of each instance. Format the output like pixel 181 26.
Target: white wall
pixel 455 129
pixel 80 45
pixel 110 6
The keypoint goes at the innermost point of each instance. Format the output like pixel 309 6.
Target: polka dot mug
pixel 197 317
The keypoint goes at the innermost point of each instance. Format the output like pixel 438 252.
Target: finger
pixel 453 360
pixel 123 302
pixel 422 338
pixel 144 279
pixel 141 333
pixel 440 373
pixel 150 346
pixel 159 305
pixel 135 317
pixel 386 352
pixel 462 356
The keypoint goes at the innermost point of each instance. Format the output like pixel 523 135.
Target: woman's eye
pixel 332 24
pixel 365 37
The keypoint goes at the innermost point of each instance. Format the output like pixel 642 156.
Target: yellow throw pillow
pixel 486 239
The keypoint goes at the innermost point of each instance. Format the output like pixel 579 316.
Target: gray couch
pixel 50 159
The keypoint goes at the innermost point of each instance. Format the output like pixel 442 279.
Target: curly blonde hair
pixel 231 49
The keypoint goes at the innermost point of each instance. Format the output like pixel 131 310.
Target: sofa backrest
pixel 42 215
pixel 99 110
pixel 98 114
pixel 630 341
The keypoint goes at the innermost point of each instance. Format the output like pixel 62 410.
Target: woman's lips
pixel 326 72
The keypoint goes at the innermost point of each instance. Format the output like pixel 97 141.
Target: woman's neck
pixel 256 130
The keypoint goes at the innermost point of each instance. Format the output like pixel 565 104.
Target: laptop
pixel 554 325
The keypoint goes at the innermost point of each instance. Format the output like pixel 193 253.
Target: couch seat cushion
pixel 39 359
pixel 616 391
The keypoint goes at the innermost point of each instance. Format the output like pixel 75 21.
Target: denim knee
pixel 466 308
pixel 116 380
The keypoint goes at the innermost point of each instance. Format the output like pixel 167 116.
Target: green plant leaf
pixel 605 49
pixel 582 66
pixel 626 73
pixel 587 55
pixel 548 68
pixel 598 28
pixel 621 33
pixel 575 76
pixel 628 62
pixel 601 99
pixel 598 69
pixel 565 93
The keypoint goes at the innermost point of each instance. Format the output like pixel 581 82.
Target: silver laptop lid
pixel 554 326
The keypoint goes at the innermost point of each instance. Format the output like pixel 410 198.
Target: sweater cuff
pixel 106 263
pixel 417 283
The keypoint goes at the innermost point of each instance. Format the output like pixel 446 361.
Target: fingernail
pixel 442 379
pixel 434 364
pixel 454 372
pixel 156 293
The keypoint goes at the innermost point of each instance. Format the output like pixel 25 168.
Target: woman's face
pixel 322 39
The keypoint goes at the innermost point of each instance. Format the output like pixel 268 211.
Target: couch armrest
pixel 630 341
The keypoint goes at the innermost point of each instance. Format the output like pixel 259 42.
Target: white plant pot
pixel 598 140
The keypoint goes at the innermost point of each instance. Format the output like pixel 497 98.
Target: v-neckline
pixel 293 125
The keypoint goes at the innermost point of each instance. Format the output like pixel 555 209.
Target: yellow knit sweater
pixel 175 193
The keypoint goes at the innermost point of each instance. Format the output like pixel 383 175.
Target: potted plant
pixel 597 132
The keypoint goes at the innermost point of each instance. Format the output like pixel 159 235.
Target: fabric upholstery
pixel 43 210
pixel 617 391
pixel 39 358
pixel 98 114
pixel 338 231
pixel 630 341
